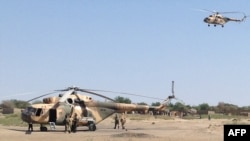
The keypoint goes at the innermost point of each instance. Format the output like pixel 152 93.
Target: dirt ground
pixel 136 130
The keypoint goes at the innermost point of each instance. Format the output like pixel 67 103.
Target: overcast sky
pixel 134 46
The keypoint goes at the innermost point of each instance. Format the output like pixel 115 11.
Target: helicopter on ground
pixel 53 110
pixel 218 19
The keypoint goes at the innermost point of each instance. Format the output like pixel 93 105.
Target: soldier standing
pixel 74 124
pixel 123 120
pixel 65 122
pixel 30 128
pixel 69 120
pixel 116 121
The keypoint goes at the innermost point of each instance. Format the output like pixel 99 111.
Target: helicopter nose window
pixel 30 110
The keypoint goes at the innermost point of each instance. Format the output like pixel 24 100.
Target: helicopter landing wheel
pixel 215 25
pixel 42 128
pixel 222 25
pixel 208 25
pixel 92 127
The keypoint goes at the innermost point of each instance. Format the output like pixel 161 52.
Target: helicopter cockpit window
pixel 39 111
pixel 30 110
pixel 210 15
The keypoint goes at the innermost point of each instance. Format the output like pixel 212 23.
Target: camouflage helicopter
pixel 218 19
pixel 54 109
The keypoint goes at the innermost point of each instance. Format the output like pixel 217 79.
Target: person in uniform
pixel 30 128
pixel 123 120
pixel 69 121
pixel 74 123
pixel 116 121
pixel 65 123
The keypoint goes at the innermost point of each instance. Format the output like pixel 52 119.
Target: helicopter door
pixel 52 115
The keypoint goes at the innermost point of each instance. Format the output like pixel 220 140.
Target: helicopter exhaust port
pixel 70 101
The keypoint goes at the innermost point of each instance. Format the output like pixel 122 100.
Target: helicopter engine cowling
pixel 50 100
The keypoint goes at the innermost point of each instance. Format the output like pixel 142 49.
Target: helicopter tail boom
pixel 236 20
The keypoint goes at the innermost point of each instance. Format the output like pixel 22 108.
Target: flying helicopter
pixel 218 19
pixel 90 112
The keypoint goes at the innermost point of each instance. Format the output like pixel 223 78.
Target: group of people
pixel 122 120
pixel 71 123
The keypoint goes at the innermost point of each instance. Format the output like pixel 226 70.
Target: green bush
pixel 12 120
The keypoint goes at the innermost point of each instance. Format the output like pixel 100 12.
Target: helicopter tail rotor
pixel 168 100
pixel 244 18
pixel 173 89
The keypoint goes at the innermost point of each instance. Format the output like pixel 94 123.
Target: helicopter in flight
pixel 218 19
pixel 53 110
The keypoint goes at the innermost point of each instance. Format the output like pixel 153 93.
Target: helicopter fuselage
pixel 216 20
pixel 53 111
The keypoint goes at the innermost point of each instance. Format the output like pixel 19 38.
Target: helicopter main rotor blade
pixel 126 94
pixel 69 88
pixel 41 96
pixel 205 10
pixel 90 91
pixel 212 11
pixel 231 12
pixel 217 12
pixel 86 91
